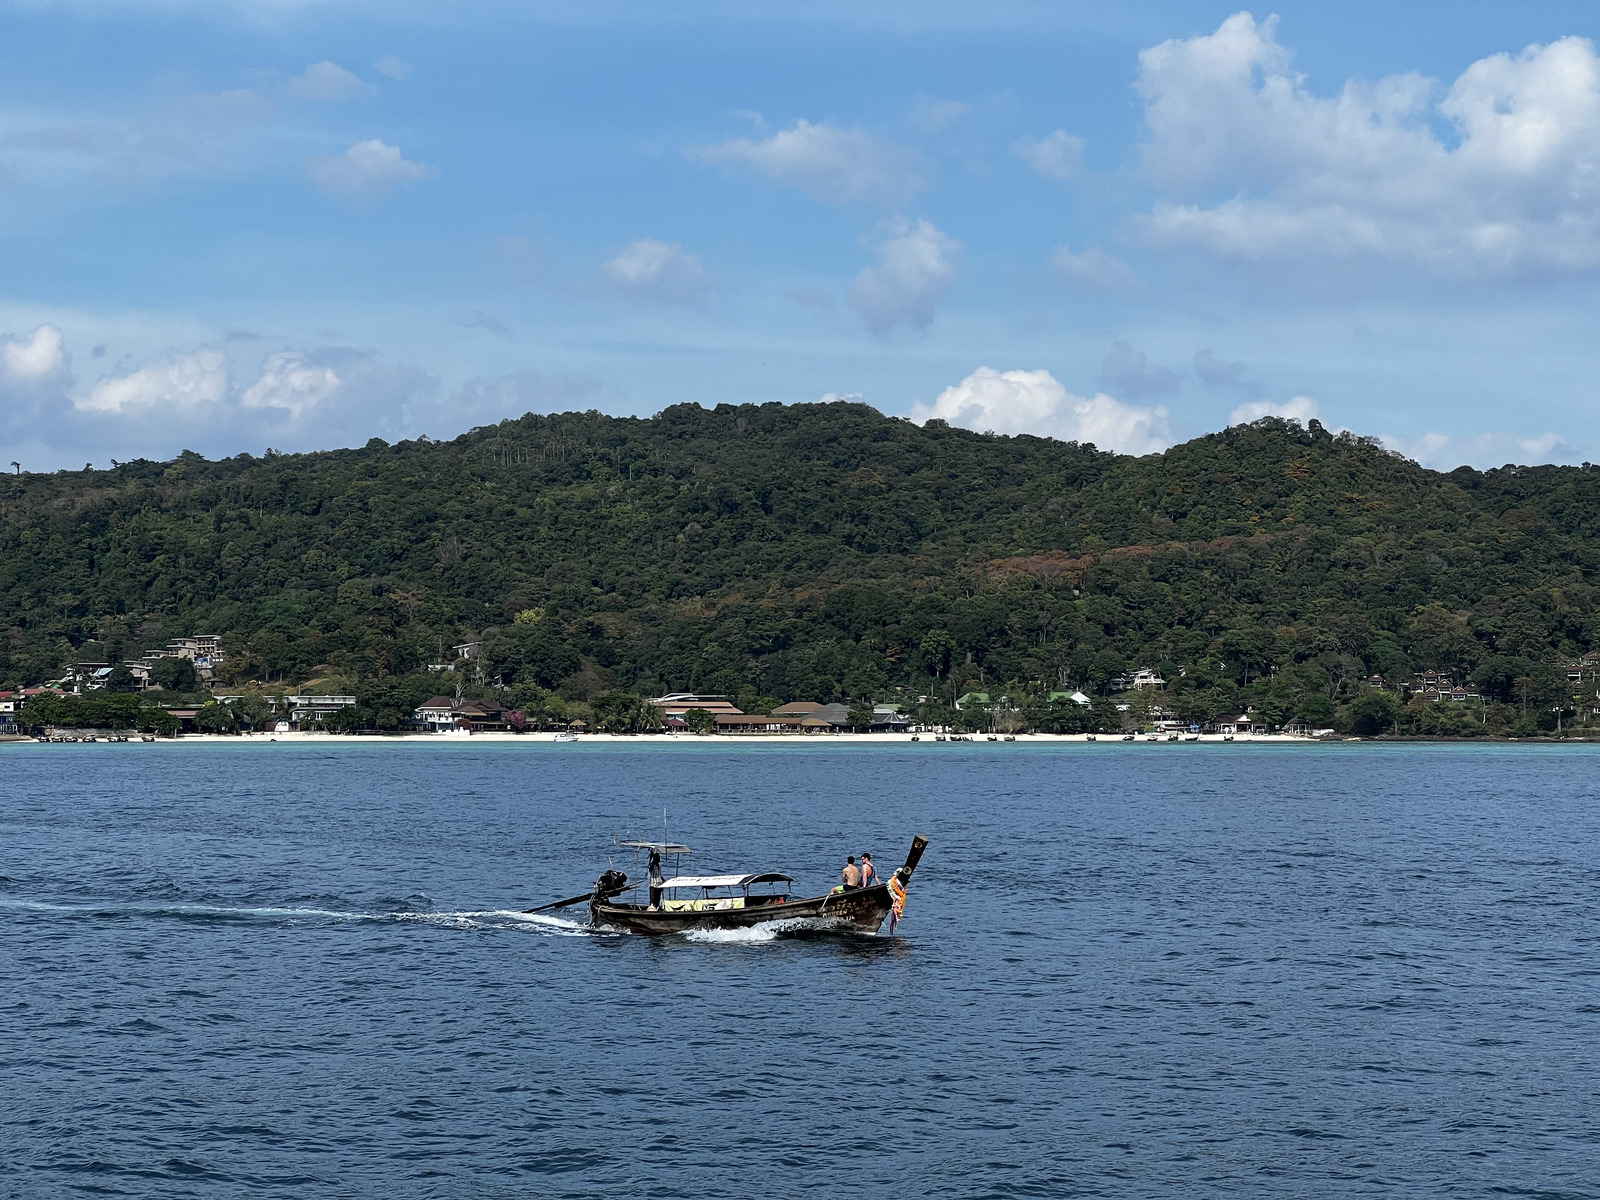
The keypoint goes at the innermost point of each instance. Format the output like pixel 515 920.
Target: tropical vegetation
pixel 572 564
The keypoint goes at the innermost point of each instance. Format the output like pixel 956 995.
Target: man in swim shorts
pixel 851 874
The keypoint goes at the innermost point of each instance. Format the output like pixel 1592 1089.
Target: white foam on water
pixel 498 918
pixel 558 924
pixel 478 919
pixel 750 936
pixel 178 910
pixel 41 906
pixel 769 931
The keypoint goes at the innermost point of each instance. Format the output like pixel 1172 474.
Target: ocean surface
pixel 1125 970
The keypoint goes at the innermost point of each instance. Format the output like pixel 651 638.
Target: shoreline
pixel 789 739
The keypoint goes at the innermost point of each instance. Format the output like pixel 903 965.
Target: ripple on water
pixel 1321 971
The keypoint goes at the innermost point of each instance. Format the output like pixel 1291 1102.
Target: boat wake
pixel 500 918
pixel 771 931
pixel 486 919
pixel 492 919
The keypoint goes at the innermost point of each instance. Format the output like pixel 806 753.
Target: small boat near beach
pixel 681 903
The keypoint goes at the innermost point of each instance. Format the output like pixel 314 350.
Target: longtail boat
pixel 684 902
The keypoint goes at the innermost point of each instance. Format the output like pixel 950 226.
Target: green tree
pixel 1372 714
pixel 216 718
pixel 622 712
pixel 935 652
pixel 174 674
pixel 345 720
pixel 1317 711
pixel 254 709
pixel 1141 703
pixel 699 720
pixel 161 723
pixel 860 715
pixel 1104 716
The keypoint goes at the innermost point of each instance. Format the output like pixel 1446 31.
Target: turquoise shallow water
pixel 1127 970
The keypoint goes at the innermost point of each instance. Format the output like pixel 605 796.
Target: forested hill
pixel 810 552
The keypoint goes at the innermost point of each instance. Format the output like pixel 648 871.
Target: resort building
pixel 678 703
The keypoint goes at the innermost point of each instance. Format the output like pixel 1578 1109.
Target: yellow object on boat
pixel 704 905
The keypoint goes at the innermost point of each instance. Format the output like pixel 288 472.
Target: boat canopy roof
pixel 716 881
pixel 659 847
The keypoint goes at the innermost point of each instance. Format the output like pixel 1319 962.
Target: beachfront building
pixel 796 709
pixel 440 714
pixel 756 723
pixel 481 716
pixel 678 703
pixel 435 714
pixel 307 710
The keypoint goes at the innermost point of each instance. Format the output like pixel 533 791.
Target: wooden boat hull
pixel 861 911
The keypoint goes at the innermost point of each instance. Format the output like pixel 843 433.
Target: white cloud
pixel 1057 155
pixel 390 67
pixel 326 81
pixel 1447 451
pixel 1512 188
pixel 181 382
pixel 299 400
pixel 841 398
pixel 914 271
pixel 291 384
pixel 836 166
pixel 659 272
pixel 34 379
pixel 1297 408
pixel 365 173
pixel 1013 402
pixel 37 356
pixel 1094 268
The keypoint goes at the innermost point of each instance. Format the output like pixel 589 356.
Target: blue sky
pixel 300 225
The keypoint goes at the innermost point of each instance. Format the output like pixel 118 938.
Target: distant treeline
pixel 825 552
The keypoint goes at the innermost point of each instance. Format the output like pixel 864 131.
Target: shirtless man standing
pixel 851 874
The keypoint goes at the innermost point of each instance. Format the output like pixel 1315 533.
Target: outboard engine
pixel 609 884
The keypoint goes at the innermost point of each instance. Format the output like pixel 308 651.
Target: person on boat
pixel 869 873
pixel 851 874
pixel 656 879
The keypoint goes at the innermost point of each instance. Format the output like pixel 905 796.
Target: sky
pixel 228 227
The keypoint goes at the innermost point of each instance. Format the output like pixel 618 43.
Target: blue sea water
pixel 1125 970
